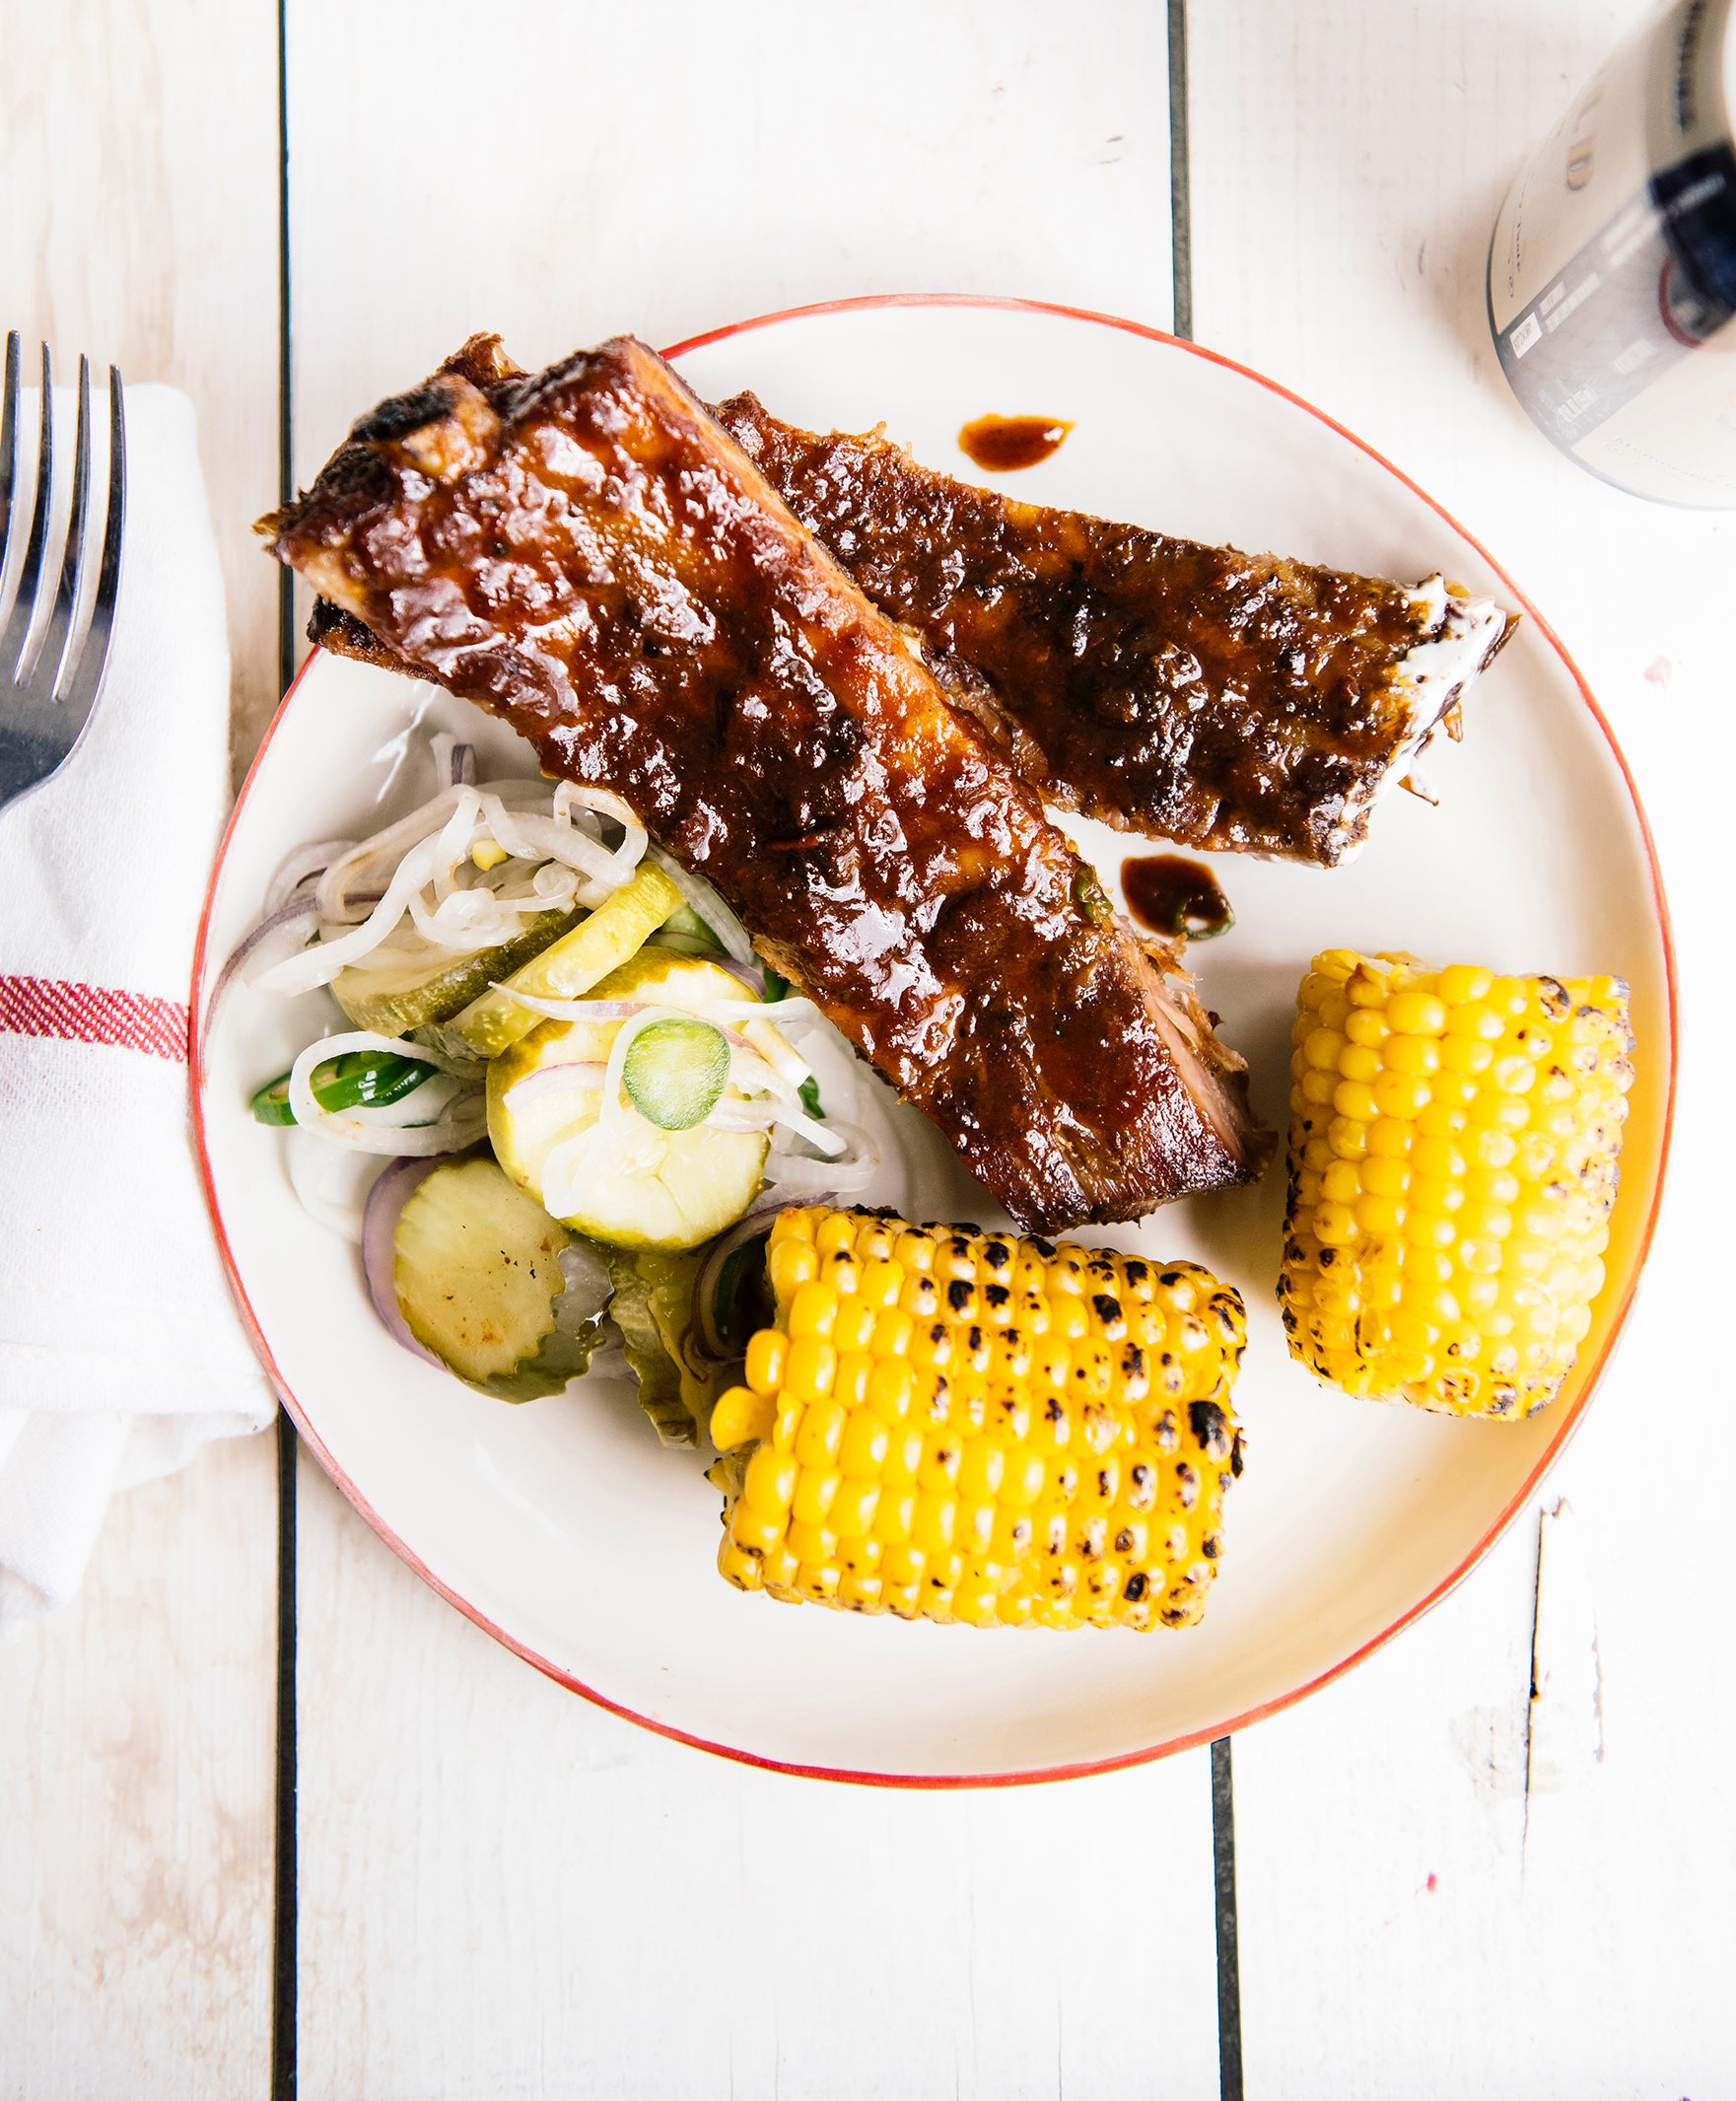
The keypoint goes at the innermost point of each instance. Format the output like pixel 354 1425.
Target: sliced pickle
pixel 569 968
pixel 477 1269
pixel 675 1073
pixel 680 1186
pixel 391 1003
pixel 652 1307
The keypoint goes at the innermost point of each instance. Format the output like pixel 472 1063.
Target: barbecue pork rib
pixel 1235 702
pixel 587 554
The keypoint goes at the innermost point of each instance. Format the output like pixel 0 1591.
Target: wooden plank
pixel 138 223
pixel 507 1891
pixel 690 169
pixel 1444 1889
pixel 135 1804
pixel 503 1889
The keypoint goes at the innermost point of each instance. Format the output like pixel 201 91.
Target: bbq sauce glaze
pixel 1172 894
pixel 1221 701
pixel 998 444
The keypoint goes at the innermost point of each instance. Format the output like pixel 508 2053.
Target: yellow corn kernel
pixel 854 1370
pixel 768 1485
pixel 488 853
pixel 853 1506
pixel 742 1417
pixel 810 1369
pixel 934 1521
pixel 815 1487
pixel 813 1310
pixel 821 1432
pixel 789 1263
pixel 865 1445
pixel 1446 1252
pixel 812 1544
pixel 891 1333
pixel 891 1387
pixel 766 1353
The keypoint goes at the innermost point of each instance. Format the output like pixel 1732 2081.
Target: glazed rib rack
pixel 588 555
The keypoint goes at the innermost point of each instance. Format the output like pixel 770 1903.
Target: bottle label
pixel 1630 303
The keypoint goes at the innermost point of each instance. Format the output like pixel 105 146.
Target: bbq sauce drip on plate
pixel 998 444
pixel 1172 894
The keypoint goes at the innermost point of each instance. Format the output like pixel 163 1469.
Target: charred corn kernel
pixel 1449 1251
pixel 755 1534
pixel 744 1569
pixel 921 1454
pixel 742 1417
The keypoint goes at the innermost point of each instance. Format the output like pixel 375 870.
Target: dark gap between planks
pixel 1230 1986
pixel 283 1935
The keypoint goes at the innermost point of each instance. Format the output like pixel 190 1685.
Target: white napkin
pixel 120 1353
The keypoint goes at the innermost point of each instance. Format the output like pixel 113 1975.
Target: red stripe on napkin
pixel 91 1013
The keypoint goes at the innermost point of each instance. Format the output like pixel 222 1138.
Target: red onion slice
pixel 301 867
pixel 710 1274
pixel 379 1224
pixel 285 917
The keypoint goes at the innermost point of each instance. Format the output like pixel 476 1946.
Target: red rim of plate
pixel 1570 1421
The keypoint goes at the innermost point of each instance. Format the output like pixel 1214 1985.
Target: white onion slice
pixel 776 1012
pixel 537 838
pixel 461 1120
pixel 389 845
pixel 296 868
pixel 575 1076
pixel 787 1064
pixel 703 1312
pixel 807 1181
pixel 579 795
pixel 573 1009
pixel 700 897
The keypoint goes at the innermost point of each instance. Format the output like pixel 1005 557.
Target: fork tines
pixel 50 673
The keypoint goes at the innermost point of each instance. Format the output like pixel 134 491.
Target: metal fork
pixel 47 693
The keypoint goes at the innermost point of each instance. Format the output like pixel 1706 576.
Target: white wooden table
pixel 1497 1859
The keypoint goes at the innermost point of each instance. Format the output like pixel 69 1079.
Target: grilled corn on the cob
pixel 951 1425
pixel 1453 1151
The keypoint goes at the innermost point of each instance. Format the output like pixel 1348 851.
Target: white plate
pixel 566 1530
